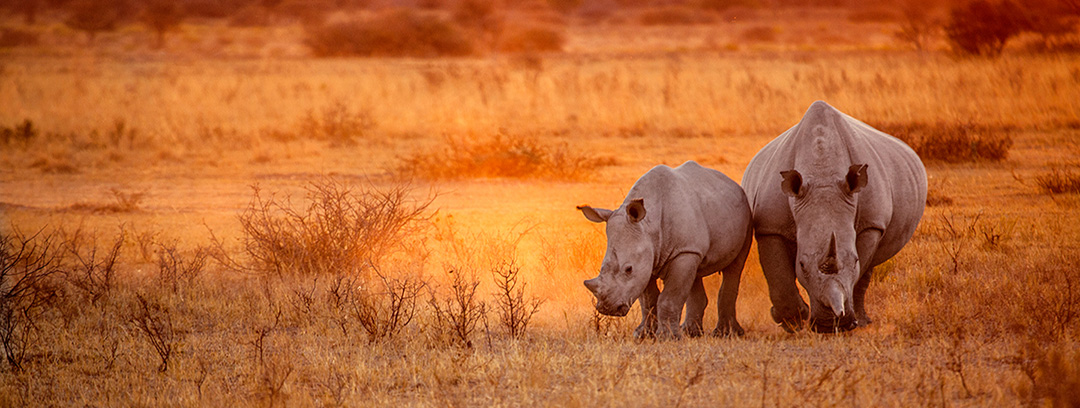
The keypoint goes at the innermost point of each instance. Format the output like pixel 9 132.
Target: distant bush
pixel 96 16
pixel 673 16
pixel 501 156
pixel 13 37
pixel 759 34
pixel 722 5
pixel 954 143
pixel 393 33
pixel 337 123
pixel 982 28
pixel 872 15
pixel 21 133
pixel 1059 181
pixel 532 39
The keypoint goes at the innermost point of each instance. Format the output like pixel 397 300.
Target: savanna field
pixel 234 214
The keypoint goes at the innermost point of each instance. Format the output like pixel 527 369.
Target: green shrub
pixel 393 33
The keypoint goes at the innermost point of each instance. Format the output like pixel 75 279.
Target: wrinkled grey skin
pixel 831 198
pixel 678 225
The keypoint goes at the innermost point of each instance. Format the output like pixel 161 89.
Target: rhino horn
pixel 592 285
pixel 835 299
pixel 832 247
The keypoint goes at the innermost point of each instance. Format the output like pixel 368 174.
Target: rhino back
pixel 892 201
pixel 694 209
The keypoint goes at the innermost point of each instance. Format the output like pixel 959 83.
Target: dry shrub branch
pixel 26 264
pixel 340 232
pixel 458 312
pixel 513 308
pixel 954 142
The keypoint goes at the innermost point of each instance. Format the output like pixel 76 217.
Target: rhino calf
pixel 832 198
pixel 678 225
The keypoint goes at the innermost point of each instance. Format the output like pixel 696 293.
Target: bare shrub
pixel 155 321
pixel 392 33
pixel 340 232
pixel 1050 298
pixel 338 124
pixel 954 143
pixel 388 308
pixel 122 202
pixel 91 271
pixel 1059 180
pixel 176 270
pixel 513 308
pixel 26 265
pixel 501 156
pixel 458 312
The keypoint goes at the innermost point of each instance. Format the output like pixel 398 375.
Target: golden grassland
pixel 981 309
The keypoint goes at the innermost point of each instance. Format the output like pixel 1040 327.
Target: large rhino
pixel 832 197
pixel 678 225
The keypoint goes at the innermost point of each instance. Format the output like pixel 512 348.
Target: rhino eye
pixel 628 270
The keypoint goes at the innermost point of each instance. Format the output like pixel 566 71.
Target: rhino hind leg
pixel 777 263
pixel 695 309
pixel 647 328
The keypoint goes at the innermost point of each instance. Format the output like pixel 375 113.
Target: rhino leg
pixel 866 244
pixel 727 324
pixel 647 328
pixel 777 257
pixel 679 276
pixel 695 309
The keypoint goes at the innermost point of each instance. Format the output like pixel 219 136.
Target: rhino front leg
pixel 695 309
pixel 727 324
pixel 679 276
pixel 647 328
pixel 866 244
pixel 777 256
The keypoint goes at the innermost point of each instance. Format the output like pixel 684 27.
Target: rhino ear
pixel 636 210
pixel 856 178
pixel 792 184
pixel 595 214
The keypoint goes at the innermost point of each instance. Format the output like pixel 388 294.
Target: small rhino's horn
pixel 832 247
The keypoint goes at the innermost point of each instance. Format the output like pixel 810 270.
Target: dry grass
pixel 500 157
pixel 980 309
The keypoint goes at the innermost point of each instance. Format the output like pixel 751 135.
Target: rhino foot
pixel 791 321
pixel 644 332
pixel 730 329
pixel 693 329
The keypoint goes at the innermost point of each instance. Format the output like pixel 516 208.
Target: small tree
pixel 983 28
pixel 917 26
pixel 95 16
pixel 162 16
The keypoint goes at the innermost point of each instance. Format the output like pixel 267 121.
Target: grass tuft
pixel 1059 181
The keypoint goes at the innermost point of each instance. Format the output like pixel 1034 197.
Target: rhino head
pixel 823 206
pixel 628 261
